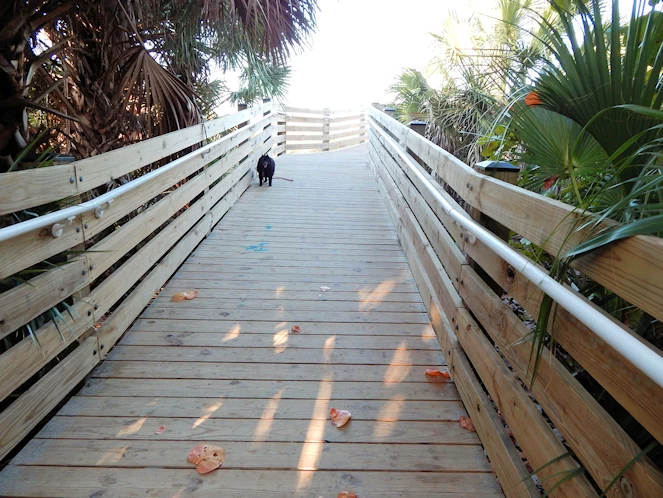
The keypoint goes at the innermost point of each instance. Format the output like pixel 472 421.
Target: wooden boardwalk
pixel 224 368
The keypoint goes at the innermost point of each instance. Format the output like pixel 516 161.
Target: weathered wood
pixel 627 384
pixel 47 290
pixel 280 353
pixel 83 482
pixel 25 413
pixel 505 390
pixel 347 142
pixel 411 457
pixel 249 382
pixel 514 477
pixel 387 374
pixel 24 359
pixel 27 301
pixel 231 328
pixel 623 267
pixel 504 457
pixel 223 408
pixel 301 305
pixel 558 391
pixel 25 189
pixel 598 441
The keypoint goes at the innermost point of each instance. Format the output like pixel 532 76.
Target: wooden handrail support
pixel 478 332
pixel 315 130
pixel 184 212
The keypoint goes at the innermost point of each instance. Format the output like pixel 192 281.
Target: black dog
pixel 266 168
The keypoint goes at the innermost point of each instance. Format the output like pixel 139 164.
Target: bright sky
pixel 360 47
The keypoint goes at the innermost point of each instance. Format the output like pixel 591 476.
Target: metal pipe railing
pixel 639 354
pixel 56 219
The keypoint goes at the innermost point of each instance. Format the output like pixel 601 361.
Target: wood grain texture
pixel 227 367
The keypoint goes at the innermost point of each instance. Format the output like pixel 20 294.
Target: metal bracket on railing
pixel 58 228
pixel 99 211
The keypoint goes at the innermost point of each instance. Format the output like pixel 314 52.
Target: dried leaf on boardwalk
pixel 339 417
pixel 184 296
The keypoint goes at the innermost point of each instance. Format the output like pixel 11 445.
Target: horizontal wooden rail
pixel 183 213
pixel 25 189
pixel 595 438
pixel 322 129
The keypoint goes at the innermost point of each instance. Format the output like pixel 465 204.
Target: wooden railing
pixel 313 130
pixel 118 255
pixel 485 342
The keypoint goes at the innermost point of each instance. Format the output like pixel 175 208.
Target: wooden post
pixel 325 128
pixel 508 173
pixel 500 170
pixel 417 125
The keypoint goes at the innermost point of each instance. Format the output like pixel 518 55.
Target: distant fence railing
pixel 458 274
pixel 92 267
pixel 314 130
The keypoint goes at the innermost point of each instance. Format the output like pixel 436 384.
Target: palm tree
pixel 101 74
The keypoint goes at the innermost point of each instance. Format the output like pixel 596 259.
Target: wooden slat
pixel 557 391
pixel 231 328
pixel 316 431
pixel 516 406
pixel 627 384
pixel 303 146
pixel 624 267
pixel 185 388
pixel 411 457
pixel 27 301
pixel 282 354
pixel 24 414
pixel 389 374
pixel 223 408
pixel 343 119
pixel 361 130
pixel 306 128
pixel 504 457
pixel 347 143
pixel 26 358
pixel 83 482
pixel 25 189
pixel 301 305
pixel 293 118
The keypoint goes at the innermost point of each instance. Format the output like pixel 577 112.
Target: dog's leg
pixel 270 181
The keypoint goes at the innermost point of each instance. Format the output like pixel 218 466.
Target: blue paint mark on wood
pixel 260 247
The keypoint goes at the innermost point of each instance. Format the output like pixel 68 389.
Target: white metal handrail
pixel 639 354
pixel 57 220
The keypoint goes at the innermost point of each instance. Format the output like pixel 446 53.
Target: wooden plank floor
pixel 224 368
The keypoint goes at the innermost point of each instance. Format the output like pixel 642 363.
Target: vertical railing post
pixel 281 135
pixel 500 170
pixel 508 173
pixel 326 117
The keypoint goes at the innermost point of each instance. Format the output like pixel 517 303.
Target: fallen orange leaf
pixel 160 430
pixel 296 329
pixel 339 417
pixel 466 423
pixel 207 457
pixel 347 494
pixel 184 296
pixel 434 372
